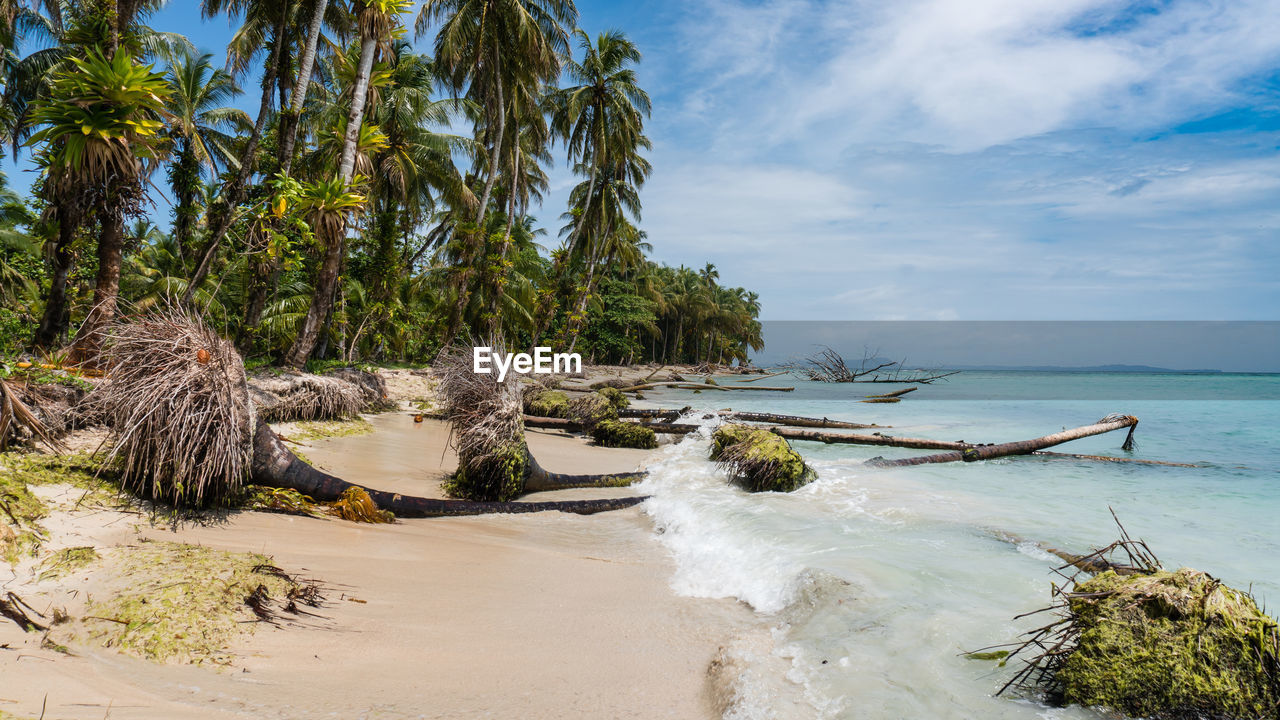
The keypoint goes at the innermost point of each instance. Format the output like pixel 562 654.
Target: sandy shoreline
pixel 540 615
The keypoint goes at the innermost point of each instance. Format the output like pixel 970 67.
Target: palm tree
pixel 197 128
pixel 101 127
pixel 266 25
pixel 601 122
pixel 602 116
pixel 378 21
pixel 298 96
pixel 488 47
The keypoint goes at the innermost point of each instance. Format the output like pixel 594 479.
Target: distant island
pixel 1086 369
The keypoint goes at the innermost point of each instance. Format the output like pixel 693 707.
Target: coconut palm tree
pixel 101 130
pixel 266 25
pixel 378 23
pixel 487 47
pixel 603 115
pixel 197 127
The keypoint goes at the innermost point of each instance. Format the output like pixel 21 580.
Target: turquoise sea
pixel 869 584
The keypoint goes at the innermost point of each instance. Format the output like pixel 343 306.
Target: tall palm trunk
pixel 106 290
pixel 298 98
pixel 576 319
pixel 476 239
pixel 53 324
pixel 186 176
pixel 326 284
pixel 224 211
pixel 500 275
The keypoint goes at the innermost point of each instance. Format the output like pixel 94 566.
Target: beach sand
pixel 545 615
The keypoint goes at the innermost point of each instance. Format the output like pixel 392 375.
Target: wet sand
pixel 544 615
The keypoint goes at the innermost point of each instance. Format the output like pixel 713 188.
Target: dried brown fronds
pixel 178 407
pixel 16 418
pixel 309 397
pixel 484 414
pixel 356 505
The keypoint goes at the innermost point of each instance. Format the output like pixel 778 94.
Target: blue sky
pixel 957 159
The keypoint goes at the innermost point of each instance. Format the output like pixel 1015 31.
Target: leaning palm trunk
pixel 326 285
pixel 299 95
pixel 275 466
pixel 223 213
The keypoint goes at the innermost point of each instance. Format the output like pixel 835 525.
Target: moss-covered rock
pixel 620 434
pixel 758 460
pixel 1171 645
pixel 591 408
pixel 500 475
pixel 615 397
pixel 546 403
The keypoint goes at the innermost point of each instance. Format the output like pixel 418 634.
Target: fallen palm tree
pixel 758 460
pixel 307 397
pixel 487 430
pixel 1135 638
pixel 186 432
pixel 16 418
pixel 973 453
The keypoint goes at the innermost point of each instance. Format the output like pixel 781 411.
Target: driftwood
pixel 11 606
pixel 795 420
pixel 894 394
pixel 686 385
pixel 766 375
pixel 829 366
pixel 1108 458
pixel 874 439
pixel 274 465
pixel 1021 447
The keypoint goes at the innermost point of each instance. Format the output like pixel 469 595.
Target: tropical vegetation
pixel 373 205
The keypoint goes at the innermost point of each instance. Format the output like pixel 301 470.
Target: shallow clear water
pixel 872 582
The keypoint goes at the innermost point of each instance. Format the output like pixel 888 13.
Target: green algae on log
pixel 1143 641
pixel 759 460
pixel 547 403
pixel 620 434
pixel 1171 645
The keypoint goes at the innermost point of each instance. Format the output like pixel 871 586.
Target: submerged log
pixel 894 394
pixel 274 465
pixel 1021 447
pixel 874 439
pixel 1108 458
pixel 795 420
pixel 686 385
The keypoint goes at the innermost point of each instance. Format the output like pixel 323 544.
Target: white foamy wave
pixel 712 531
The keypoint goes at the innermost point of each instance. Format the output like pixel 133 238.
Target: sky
pixel 954 159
